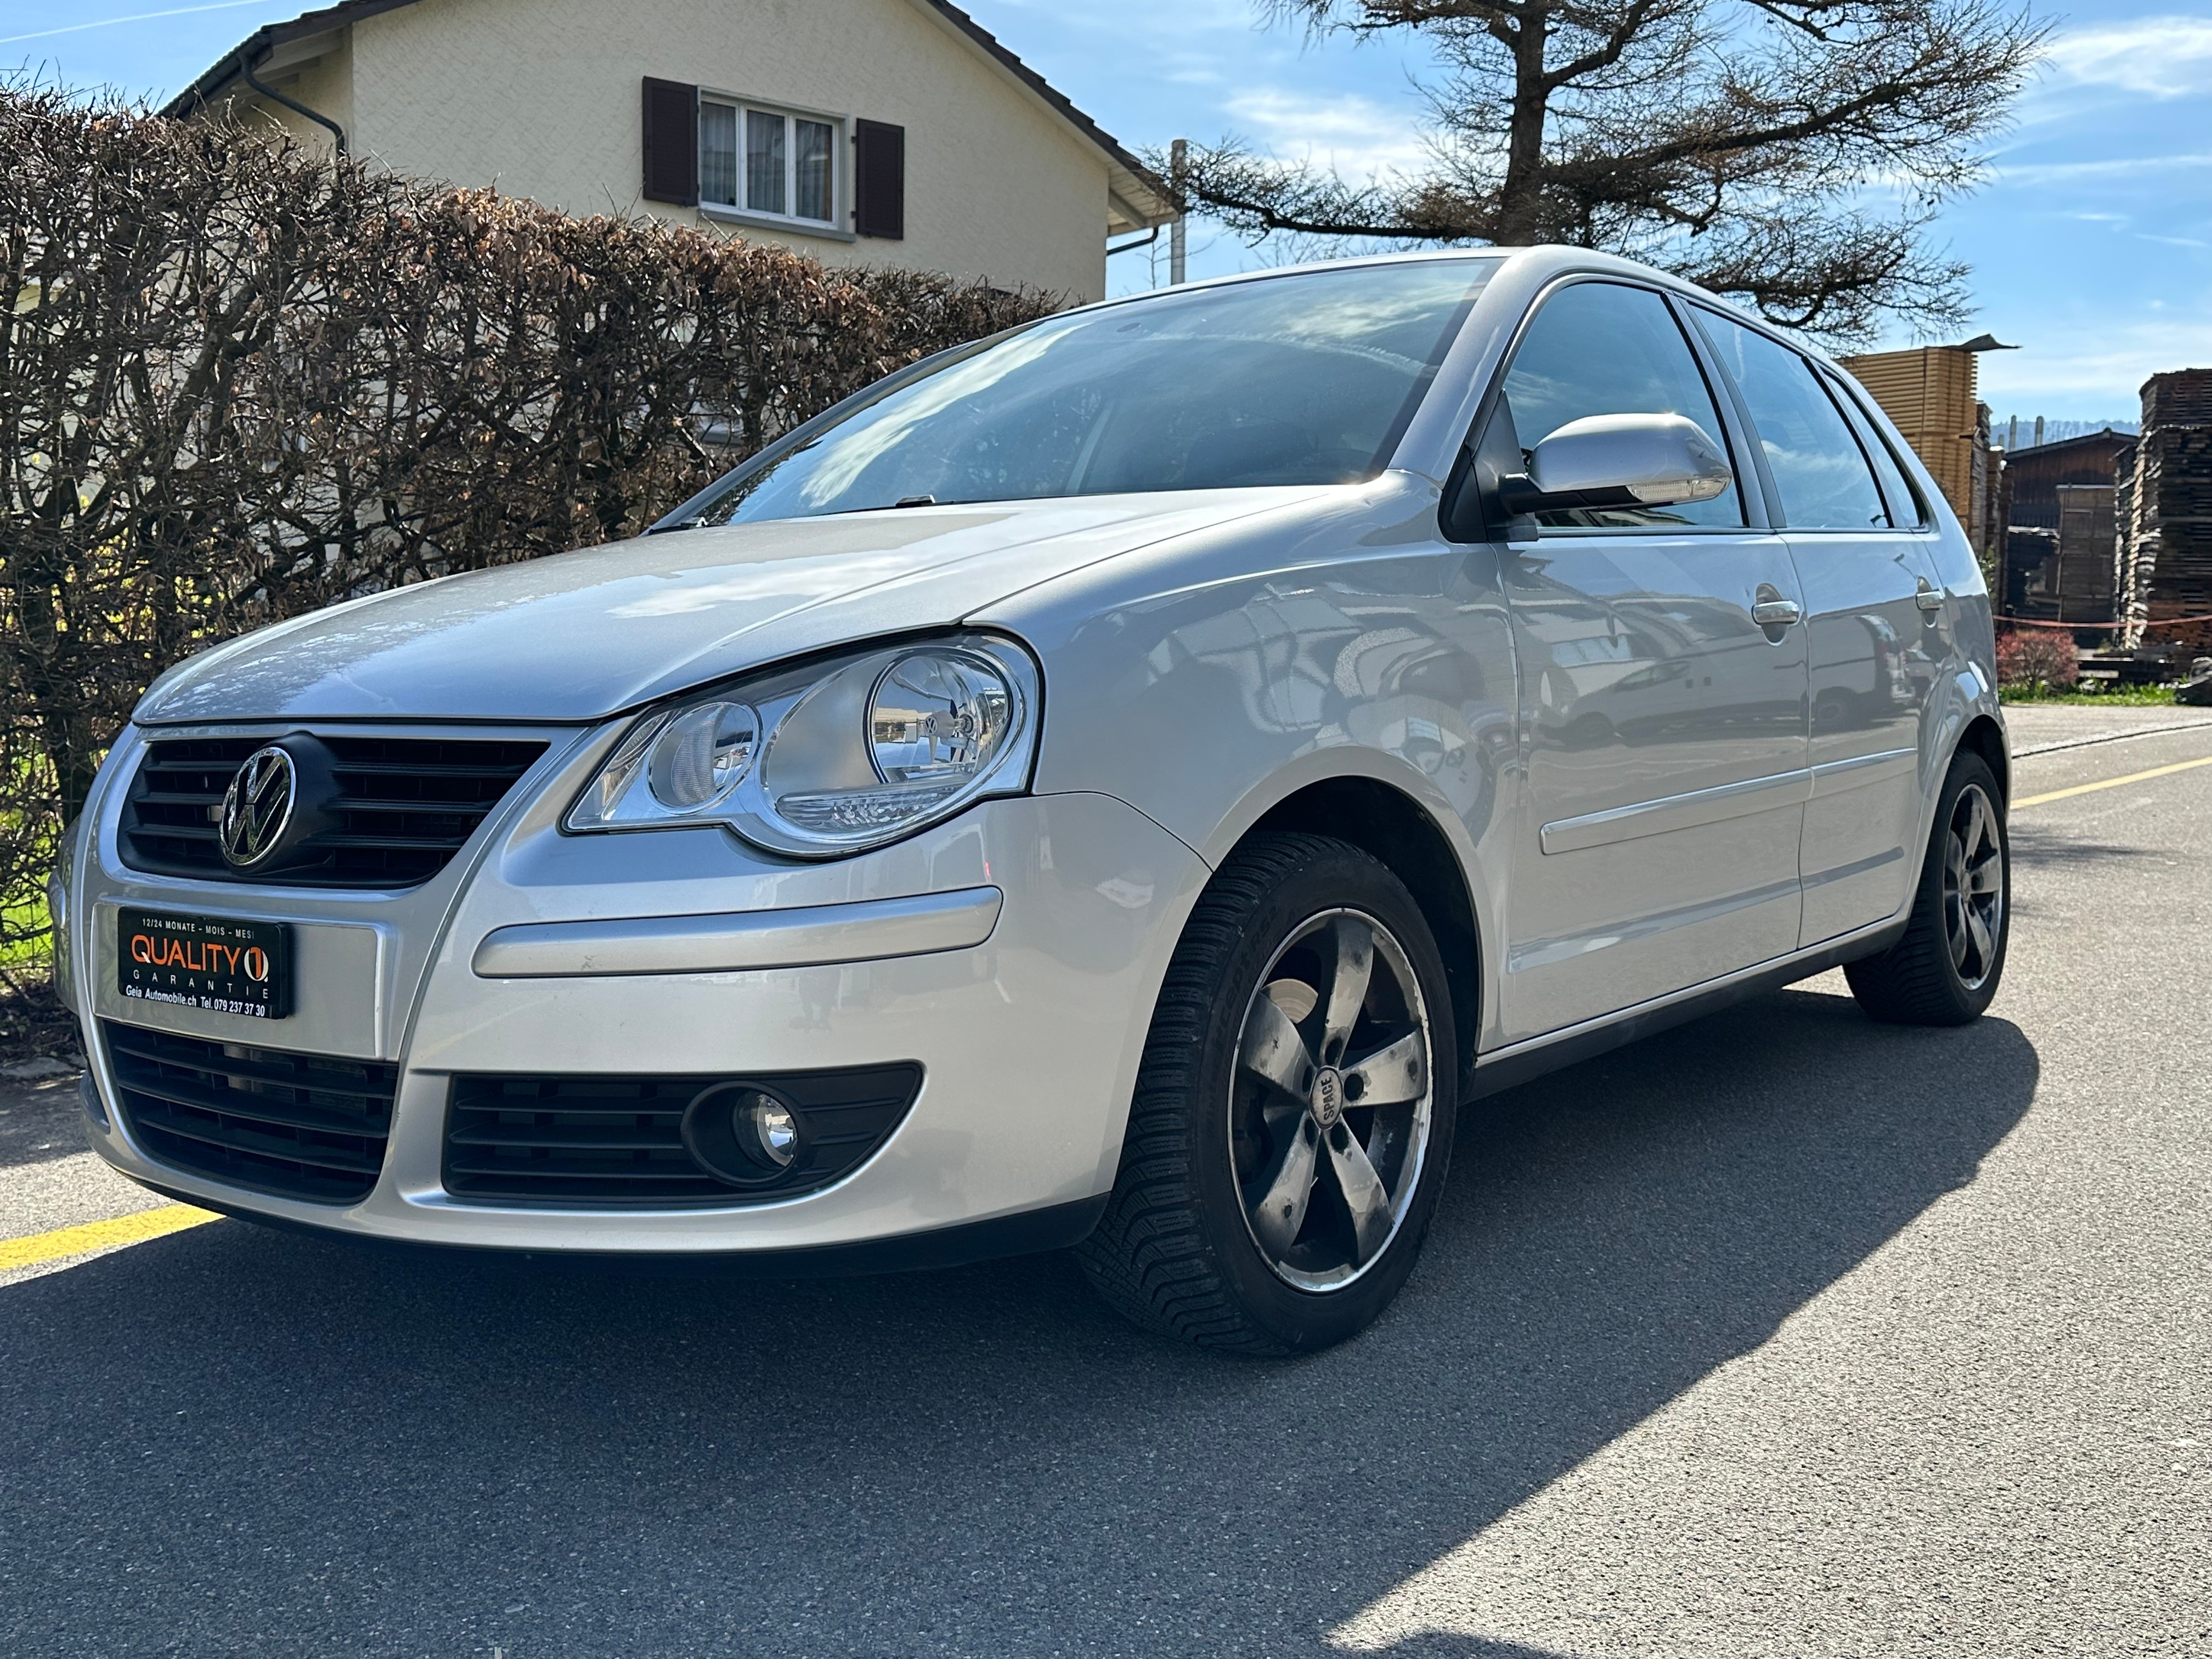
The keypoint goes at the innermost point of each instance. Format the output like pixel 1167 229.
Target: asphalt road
pixel 1782 1333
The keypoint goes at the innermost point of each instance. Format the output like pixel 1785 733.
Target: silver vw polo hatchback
pixel 1123 784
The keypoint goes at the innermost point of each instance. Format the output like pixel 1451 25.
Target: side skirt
pixel 1510 1067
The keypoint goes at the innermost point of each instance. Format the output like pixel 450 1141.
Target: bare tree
pixel 1735 141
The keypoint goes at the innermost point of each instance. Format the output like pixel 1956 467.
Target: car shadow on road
pixel 40 1120
pixel 2034 848
pixel 235 1440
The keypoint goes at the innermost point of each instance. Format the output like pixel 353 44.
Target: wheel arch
pixel 1985 738
pixel 1399 832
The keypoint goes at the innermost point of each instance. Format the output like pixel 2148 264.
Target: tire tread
pixel 1148 1256
pixel 1912 982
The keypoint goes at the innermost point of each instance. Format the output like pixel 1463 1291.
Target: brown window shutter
pixel 879 179
pixel 671 143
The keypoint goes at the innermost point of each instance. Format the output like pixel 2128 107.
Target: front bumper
pixel 521 958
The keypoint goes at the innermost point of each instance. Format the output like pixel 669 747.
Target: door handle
pixel 1778 613
pixel 1929 598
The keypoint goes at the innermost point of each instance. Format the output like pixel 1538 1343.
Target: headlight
pixel 835 758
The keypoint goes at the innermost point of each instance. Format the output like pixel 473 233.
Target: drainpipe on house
pixel 1178 160
pixel 246 67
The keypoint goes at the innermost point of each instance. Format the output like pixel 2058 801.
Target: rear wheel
pixel 1945 970
pixel 1293 1114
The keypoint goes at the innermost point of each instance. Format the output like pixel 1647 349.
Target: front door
pixel 1870 610
pixel 1664 723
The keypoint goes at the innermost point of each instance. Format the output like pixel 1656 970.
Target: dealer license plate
pixel 216 962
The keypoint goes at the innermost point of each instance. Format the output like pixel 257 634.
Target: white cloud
pixel 1355 136
pixel 2150 57
pixel 2128 167
pixel 2113 358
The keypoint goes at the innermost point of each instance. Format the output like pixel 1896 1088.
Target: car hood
pixel 584 635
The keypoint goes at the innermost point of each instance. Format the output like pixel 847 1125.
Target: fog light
pixel 742 1134
pixel 774 1130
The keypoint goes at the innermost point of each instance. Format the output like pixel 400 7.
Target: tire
pixel 1229 1110
pixel 1945 970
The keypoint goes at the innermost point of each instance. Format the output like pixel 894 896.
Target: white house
pixel 881 131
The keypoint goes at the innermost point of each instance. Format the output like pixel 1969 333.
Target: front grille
pixel 303 1126
pixel 605 1141
pixel 404 807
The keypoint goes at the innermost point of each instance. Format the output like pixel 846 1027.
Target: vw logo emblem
pixel 257 809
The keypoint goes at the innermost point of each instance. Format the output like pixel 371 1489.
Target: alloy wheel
pixel 1973 887
pixel 1330 1105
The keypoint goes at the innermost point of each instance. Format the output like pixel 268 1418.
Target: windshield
pixel 1299 379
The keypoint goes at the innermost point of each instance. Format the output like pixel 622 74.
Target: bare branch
pixel 1670 129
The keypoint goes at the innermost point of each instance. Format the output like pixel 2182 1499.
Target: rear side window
pixel 1903 505
pixel 1603 348
pixel 1819 471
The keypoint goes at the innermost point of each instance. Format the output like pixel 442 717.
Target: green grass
pixel 2130 696
pixel 18 919
pixel 25 777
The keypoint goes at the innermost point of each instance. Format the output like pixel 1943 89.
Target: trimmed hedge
pixel 240 382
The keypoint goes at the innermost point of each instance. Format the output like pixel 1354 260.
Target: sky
pixel 2091 243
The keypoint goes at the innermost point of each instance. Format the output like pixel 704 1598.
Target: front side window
pixel 1604 348
pixel 1819 471
pixel 1301 380
pixel 766 161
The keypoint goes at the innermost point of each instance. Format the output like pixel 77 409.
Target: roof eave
pixel 267 39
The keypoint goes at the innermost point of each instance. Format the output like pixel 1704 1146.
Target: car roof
pixel 1539 262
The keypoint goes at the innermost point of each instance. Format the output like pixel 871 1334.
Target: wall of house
pixel 542 98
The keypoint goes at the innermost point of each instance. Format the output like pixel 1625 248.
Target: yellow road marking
pixel 91 1236
pixel 2111 783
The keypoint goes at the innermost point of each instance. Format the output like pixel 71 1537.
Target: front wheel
pixel 1945 970
pixel 1293 1114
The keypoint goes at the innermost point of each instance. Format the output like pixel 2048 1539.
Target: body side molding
pixel 1699 806
pixel 807 936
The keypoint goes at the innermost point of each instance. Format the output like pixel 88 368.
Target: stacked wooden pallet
pixel 2165 510
pixel 2183 397
pixel 2172 495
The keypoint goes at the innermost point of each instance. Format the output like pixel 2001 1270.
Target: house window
pixel 770 162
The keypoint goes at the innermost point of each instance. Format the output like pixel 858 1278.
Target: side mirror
pixel 1619 461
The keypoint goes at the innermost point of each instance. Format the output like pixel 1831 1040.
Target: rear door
pixel 1663 726
pixel 1871 606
